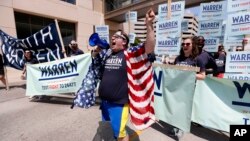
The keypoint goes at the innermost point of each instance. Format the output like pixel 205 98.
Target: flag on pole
pixel 45 44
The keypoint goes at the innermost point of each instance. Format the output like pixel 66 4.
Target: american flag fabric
pixel 141 87
pixel 85 96
pixel 45 44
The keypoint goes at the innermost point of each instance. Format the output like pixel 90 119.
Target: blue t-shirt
pixel 206 61
pixel 114 82
pixel 185 61
pixel 220 60
pixel 77 52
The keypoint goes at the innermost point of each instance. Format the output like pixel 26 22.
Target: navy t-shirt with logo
pixel 185 61
pixel 220 60
pixel 114 82
pixel 206 61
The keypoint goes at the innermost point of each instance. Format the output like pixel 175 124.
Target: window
pixel 70 1
pixel 26 25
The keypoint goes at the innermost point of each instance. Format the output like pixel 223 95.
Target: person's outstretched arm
pixel 150 40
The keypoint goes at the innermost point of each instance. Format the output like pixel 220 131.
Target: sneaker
pixel 177 133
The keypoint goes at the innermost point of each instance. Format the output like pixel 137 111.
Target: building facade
pixel 76 18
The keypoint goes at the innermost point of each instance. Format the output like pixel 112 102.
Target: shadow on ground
pixel 104 133
pixel 23 86
pixel 196 130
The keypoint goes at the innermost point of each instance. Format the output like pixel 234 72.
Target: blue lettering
pixel 241 90
pixel 241 19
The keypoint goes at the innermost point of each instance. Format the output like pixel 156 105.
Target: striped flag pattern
pixel 141 87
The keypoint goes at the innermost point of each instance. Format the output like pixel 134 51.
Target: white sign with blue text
pixel 212 11
pixel 103 32
pixel 131 37
pixel 238 61
pixel 177 10
pixel 210 28
pixel 237 5
pixel 169 46
pixel 131 16
pixel 238 24
pixel 169 28
pixel 211 44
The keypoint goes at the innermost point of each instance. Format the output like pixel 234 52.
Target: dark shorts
pixel 1 71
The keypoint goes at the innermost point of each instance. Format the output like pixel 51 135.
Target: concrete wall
pixel 86 14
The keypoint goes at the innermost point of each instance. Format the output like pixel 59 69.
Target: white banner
pixel 219 103
pixel 60 76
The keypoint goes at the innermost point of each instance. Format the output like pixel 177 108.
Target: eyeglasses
pixel 187 44
pixel 239 49
pixel 119 36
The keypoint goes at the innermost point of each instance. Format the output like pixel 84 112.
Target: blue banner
pixel 44 44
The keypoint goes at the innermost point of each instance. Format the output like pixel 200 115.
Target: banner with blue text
pixel 61 76
pixel 219 103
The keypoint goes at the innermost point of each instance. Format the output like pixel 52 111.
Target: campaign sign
pixel 214 11
pixel 211 44
pixel 237 76
pixel 102 29
pixel 239 132
pixel 237 5
pixel 230 42
pixel 169 28
pixel 184 26
pixel 131 37
pixel 103 32
pixel 238 24
pixel 104 37
pixel 131 16
pixel 210 28
pixel 238 61
pixel 169 46
pixel 177 10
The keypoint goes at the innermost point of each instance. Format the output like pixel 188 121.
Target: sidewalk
pixel 14 77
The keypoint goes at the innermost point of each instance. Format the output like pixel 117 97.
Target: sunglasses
pixel 119 37
pixel 187 44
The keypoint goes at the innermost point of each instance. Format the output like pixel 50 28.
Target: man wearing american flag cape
pixel 126 85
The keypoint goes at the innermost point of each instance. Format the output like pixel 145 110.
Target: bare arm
pixel 201 76
pixel 150 40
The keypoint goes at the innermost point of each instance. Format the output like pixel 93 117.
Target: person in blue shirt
pixel 205 60
pixel 188 54
pixel 74 49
